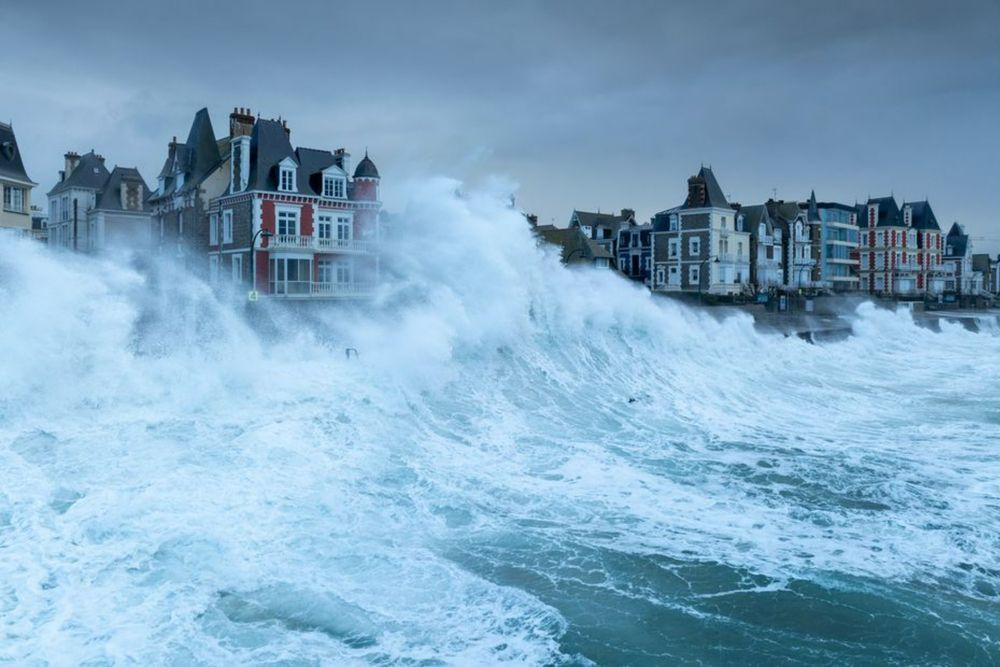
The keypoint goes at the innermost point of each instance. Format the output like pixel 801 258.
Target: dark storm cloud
pixel 585 104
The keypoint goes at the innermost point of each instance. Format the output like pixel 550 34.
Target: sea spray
pixel 524 463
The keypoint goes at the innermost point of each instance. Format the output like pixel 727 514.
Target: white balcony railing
pixel 343 289
pixel 305 289
pixel 315 243
pixel 345 245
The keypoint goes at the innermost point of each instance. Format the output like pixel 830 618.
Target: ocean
pixel 524 464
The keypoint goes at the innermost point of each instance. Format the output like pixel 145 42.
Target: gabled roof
pixel 109 199
pixel 90 174
pixel 753 216
pixel 11 166
pixel 923 215
pixel 269 145
pixel 958 240
pixel 783 211
pixel 576 247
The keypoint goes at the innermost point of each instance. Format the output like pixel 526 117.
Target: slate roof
pixel 110 198
pixel 923 216
pixel 269 145
pixel 753 216
pixel 714 198
pixel 11 166
pixel 889 214
pixel 366 168
pixel 90 174
pixel 812 210
pixel 958 240
pixel 784 211
pixel 576 247
pixel 196 158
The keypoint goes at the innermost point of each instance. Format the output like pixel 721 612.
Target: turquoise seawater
pixel 525 465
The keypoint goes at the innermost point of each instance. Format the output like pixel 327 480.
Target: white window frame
pixel 673 246
pixel 694 275
pixel 282 212
pixel 213 229
pixel 237 267
pixel 324 226
pixel 694 246
pixel 227 226
pixel 286 175
pixel 345 229
pixel 325 272
pixel 674 222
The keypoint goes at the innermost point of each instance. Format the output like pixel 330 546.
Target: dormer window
pixel 286 175
pixel 287 180
pixel 333 187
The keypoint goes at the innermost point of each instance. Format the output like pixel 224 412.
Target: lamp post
pixel 700 267
pixel 253 256
pixel 798 277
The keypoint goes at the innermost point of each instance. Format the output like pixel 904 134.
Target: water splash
pixel 183 484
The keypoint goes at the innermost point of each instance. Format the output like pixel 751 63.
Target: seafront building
pixel 575 246
pixel 317 224
pixel 92 209
pixel 635 251
pixel 962 278
pixel 901 249
pixel 766 244
pixel 701 246
pixel 195 171
pixel 835 241
pixel 797 263
pixel 15 186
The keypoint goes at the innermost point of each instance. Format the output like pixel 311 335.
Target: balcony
pixel 305 289
pixel 297 242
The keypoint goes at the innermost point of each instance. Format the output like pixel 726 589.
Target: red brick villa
pixel 313 229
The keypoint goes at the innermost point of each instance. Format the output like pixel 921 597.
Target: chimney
pixel 240 122
pixel 72 160
pixel 342 159
pixel 696 192
pixel 284 125
pixel 532 219
pixel 628 214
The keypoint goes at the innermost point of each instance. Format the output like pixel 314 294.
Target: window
pixel 333 187
pixel 213 229
pixel 694 246
pixel 65 209
pixel 645 263
pixel 54 209
pixel 659 276
pixel 213 268
pixel 623 264
pixel 237 268
pixel 290 276
pixel 324 227
pixel 694 275
pixel 343 229
pixel 227 226
pixel 287 181
pixel 325 269
pixel 673 222
pixel 13 199
pixel 345 271
pixel 723 222
pixel 739 249
pixel 672 248
pixel 288 222
pixel 674 274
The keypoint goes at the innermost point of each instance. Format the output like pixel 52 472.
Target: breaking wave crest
pixel 525 464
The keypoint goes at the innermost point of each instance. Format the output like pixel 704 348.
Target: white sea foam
pixel 176 487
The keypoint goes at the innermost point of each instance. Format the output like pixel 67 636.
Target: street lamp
pixel 253 256
pixel 700 267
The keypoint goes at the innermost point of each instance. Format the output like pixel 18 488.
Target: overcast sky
pixel 590 105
